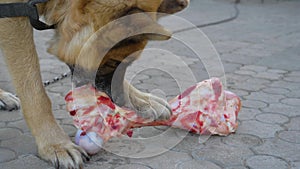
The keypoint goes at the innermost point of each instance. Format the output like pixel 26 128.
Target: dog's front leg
pixel 16 39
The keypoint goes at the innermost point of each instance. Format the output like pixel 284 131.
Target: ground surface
pixel 260 52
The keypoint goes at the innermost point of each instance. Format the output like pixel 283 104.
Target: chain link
pixel 56 79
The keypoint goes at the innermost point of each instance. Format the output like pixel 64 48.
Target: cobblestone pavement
pixel 260 52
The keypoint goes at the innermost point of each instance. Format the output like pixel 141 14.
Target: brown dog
pixel 76 21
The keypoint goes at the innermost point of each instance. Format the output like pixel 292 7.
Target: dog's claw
pixel 8 101
pixel 152 107
pixel 146 105
pixel 160 108
pixel 56 162
pixel 65 155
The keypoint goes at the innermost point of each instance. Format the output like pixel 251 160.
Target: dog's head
pixel 78 20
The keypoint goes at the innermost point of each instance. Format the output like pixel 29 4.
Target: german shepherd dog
pixel 76 21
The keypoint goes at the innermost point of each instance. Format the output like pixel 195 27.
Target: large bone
pixel 202 109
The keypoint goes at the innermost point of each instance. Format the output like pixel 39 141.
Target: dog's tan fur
pixel 76 21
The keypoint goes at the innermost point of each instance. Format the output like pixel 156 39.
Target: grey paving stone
pixel 222 154
pixel 188 144
pixel 294 73
pixel 260 81
pixel 146 132
pixel 124 147
pixel 6 155
pixel 283 63
pixel 57 70
pixel 248 113
pixel 212 140
pixel 234 78
pixel 105 160
pixel 59 89
pixel 269 76
pixel 277 71
pixel 284 84
pixel 242 140
pixel 6 116
pixel 21 124
pixel 255 47
pixel 294 123
pixel 26 162
pixel 7 86
pixel 282 109
pixel 135 78
pixel 56 99
pixel 292 79
pixel 236 167
pixel 2 124
pixel 264 97
pixel 248 86
pixel 293 94
pixel 290 136
pixel 167 160
pixel 272 118
pixel 61 114
pixel 266 162
pixel 67 121
pixel 197 164
pixel 69 129
pixel 230 67
pixel 240 93
pixel 167 81
pixel 245 72
pixel 237 58
pixel 279 148
pixel 9 133
pixel 254 68
pixel 22 144
pixel 259 129
pixel 276 90
pixel 146 87
pixel 96 166
pixel 291 101
pixel 229 46
pixel 295 165
pixel 145 147
pixel 133 165
pixel 253 104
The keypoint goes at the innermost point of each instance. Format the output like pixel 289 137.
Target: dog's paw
pixel 151 107
pixel 8 101
pixel 64 155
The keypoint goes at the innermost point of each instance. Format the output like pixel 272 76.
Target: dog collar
pixel 28 9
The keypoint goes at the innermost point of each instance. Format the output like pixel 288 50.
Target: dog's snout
pixel 173 6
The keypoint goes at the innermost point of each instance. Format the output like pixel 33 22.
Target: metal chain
pixel 56 79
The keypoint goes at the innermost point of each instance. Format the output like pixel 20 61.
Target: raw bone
pixel 203 109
